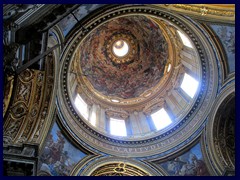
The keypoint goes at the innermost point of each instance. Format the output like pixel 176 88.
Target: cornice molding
pixel 206 12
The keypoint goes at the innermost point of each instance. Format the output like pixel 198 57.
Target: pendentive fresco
pixel 59 156
pixel 190 163
pixel 226 35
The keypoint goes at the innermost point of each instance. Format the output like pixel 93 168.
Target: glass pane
pixel 81 106
pixel 185 40
pixel 161 119
pixel 189 85
pixel 117 127
pixel 93 118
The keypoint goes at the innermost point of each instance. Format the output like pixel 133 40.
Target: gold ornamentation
pixel 204 11
pixel 119 169
pixel 12 128
pixel 24 92
pixel 7 93
pixel 19 109
pixel 26 75
pixel 23 115
pixel 47 111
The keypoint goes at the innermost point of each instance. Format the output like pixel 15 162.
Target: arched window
pixel 118 127
pixel 93 118
pixel 81 106
pixel 161 119
pixel 185 40
pixel 189 85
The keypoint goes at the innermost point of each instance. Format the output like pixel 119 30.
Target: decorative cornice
pixel 205 10
pixel 212 12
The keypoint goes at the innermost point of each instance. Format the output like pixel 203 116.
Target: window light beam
pixel 189 85
pixel 93 118
pixel 117 127
pixel 161 119
pixel 81 106
pixel 185 40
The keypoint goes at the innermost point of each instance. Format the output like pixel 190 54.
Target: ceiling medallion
pixel 121 49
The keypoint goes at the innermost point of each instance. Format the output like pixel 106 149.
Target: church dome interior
pixel 119 90
pixel 139 85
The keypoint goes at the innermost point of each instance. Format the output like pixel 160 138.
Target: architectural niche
pixel 220 134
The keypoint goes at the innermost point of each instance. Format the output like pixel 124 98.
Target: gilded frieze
pixel 209 12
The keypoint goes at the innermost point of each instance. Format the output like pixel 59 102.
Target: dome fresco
pixel 143 66
pixel 99 86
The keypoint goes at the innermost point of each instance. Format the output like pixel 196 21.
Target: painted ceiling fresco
pixel 189 164
pixel 226 35
pixel 126 80
pixel 86 9
pixel 59 156
pixel 68 22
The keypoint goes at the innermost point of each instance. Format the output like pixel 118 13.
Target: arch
pixel 219 136
pixel 112 166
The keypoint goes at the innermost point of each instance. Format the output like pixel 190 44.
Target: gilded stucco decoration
pixel 26 118
pixel 204 10
pixel 8 89
pixel 25 107
pixel 114 166
pixel 118 169
pixel 210 12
